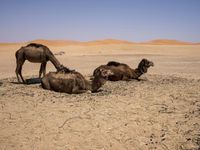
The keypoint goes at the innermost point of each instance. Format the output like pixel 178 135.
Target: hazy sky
pixel 134 20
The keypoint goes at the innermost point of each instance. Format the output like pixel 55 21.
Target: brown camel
pixel 36 53
pixel 73 82
pixel 124 72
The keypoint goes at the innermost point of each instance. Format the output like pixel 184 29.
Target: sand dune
pixel 107 41
pixel 60 43
pixel 167 42
pixel 112 41
pixel 70 42
pixel 56 42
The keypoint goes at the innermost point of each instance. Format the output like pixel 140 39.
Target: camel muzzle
pixel 151 64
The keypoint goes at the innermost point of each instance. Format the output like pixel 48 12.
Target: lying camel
pixel 36 53
pixel 124 72
pixel 73 82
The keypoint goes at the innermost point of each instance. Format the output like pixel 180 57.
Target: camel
pixel 123 71
pixel 72 82
pixel 36 53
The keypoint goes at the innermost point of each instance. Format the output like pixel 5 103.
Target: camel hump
pixel 113 63
pixel 35 45
pixel 64 69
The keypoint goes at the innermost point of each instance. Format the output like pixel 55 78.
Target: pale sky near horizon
pixel 85 20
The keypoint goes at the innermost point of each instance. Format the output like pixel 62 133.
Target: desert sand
pixel 162 111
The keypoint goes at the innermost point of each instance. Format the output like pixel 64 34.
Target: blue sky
pixel 85 20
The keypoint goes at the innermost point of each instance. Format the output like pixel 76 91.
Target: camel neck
pixel 137 73
pixel 54 61
pixel 97 82
pixel 88 85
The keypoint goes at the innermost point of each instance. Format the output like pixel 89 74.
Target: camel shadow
pixel 29 81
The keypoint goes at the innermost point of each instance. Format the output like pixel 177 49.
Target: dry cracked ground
pixel 160 112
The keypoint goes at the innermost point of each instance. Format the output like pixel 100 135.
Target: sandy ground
pixel 160 112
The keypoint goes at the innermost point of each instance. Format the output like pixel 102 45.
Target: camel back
pixel 113 63
pixel 48 53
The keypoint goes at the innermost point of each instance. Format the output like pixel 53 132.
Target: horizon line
pixel 106 39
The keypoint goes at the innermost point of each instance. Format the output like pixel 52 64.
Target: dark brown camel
pixel 124 72
pixel 36 53
pixel 73 82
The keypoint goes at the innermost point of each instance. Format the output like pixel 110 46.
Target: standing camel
pixel 36 53
pixel 123 71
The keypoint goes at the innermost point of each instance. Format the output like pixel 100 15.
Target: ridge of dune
pixel 71 42
pixel 55 42
pixel 58 43
pixel 107 41
pixel 167 42
pixel 110 41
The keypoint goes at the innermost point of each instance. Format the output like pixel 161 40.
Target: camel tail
pixel 17 55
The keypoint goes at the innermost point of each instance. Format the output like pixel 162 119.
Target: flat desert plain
pixel 162 111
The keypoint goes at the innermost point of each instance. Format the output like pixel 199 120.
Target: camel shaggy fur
pixel 73 82
pixel 36 53
pixel 123 71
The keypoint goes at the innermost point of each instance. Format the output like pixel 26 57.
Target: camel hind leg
pixel 20 73
pixel 18 70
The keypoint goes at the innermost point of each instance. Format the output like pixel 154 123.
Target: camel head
pixel 144 65
pixel 63 69
pixel 100 79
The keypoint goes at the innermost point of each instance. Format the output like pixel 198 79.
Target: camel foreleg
pixel 42 69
